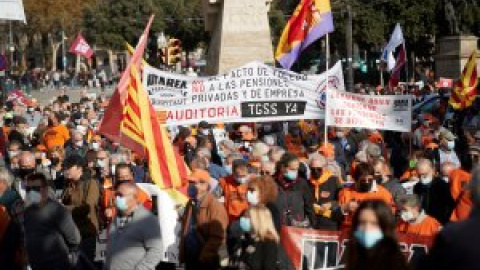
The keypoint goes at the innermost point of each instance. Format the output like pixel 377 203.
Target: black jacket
pixel 456 246
pixel 258 255
pixel 328 193
pixel 294 201
pixel 386 255
pixel 436 199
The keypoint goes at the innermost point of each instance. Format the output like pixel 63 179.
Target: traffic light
pixel 174 51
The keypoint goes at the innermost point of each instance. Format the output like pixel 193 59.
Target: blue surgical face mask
pixel 192 191
pixel 221 154
pixel 121 203
pixel 451 145
pixel 245 224
pixel 369 238
pixel 291 175
pixel 228 168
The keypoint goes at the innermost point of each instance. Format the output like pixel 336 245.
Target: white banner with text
pixel 393 112
pixel 252 93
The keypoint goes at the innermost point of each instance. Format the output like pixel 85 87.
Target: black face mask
pixel 316 173
pixel 364 186
pixel 378 179
pixel 55 161
pixel 23 172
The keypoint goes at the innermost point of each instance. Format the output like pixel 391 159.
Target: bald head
pixel 27 160
pixel 447 168
pixel 425 167
pixel 128 189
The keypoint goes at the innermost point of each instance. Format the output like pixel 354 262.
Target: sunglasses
pixel 33 188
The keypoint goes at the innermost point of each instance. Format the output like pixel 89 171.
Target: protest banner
pixel 392 112
pixel 316 250
pixel 252 93
pixel 18 97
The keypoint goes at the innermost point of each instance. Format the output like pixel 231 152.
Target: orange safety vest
pixel 463 208
pixel 428 227
pixel 458 179
pixel 318 182
pixel 235 196
pixel 348 194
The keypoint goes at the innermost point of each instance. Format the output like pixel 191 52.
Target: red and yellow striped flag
pixel 465 90
pixel 131 120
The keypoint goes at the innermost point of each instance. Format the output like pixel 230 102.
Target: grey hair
pixel 276 149
pixel 410 200
pixel 317 156
pixel 204 152
pixel 425 161
pixel 235 156
pixel 227 144
pixel 6 176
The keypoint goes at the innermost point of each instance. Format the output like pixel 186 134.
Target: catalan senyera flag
pixel 131 121
pixel 311 20
pixel 465 90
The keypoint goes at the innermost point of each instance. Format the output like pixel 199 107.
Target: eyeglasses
pixel 33 188
pixel 366 179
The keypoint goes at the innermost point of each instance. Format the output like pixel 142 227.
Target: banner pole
pixel 406 62
pixel 327 60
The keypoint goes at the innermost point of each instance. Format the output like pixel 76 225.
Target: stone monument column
pixel 240 33
pixel 452 55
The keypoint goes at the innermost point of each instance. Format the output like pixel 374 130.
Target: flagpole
pixel 327 61
pixel 406 62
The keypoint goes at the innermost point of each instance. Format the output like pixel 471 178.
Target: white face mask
pixel 252 198
pixel 424 179
pixel 13 153
pixel 79 143
pixel 205 132
pixel 407 216
pixel 95 146
pixel 100 163
pixel 445 178
pixel 241 180
pixel 33 198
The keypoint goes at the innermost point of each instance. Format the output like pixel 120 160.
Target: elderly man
pixel 77 145
pixel 203 225
pixel 325 188
pixel 135 239
pixel 414 220
pixel 456 246
pixel 434 192
pixel 384 176
pixel 27 165
pixel 215 170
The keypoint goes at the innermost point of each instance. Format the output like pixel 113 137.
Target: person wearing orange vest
pixel 56 134
pixel 365 188
pixel 325 187
pixel 413 220
pixel 234 190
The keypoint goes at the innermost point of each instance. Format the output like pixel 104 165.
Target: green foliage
pixel 111 23
pixel 184 20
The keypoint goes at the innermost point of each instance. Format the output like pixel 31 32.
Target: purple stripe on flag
pixel 319 30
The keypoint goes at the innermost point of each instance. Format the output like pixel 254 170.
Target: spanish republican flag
pixel 311 20
pixel 131 121
pixel 465 90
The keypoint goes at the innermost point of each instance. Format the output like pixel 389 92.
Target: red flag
pixel 81 47
pixel 399 64
pixel 131 120
pixel 465 91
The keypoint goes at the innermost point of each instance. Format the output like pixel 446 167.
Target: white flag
pixel 12 10
pixel 391 61
pixel 395 40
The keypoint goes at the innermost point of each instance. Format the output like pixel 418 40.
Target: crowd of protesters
pixel 61 183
